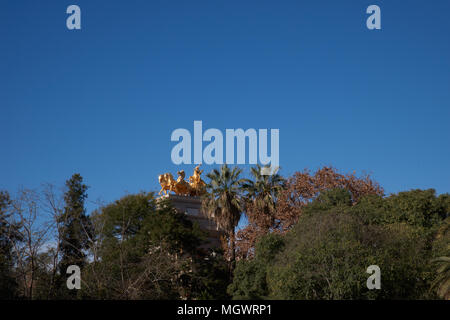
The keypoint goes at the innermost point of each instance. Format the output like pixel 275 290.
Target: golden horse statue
pixel 195 187
pixel 181 187
pixel 196 182
pixel 167 182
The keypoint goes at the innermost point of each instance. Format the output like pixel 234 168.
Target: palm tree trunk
pixel 233 252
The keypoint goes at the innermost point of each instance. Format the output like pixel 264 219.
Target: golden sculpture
pixel 195 187
pixel 166 181
pixel 181 187
pixel 196 183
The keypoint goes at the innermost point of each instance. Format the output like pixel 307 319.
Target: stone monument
pixel 187 200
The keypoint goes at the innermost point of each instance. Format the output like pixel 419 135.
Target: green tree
pixel 145 249
pixel 223 202
pixel 8 285
pixel 420 208
pixel 250 276
pixel 76 228
pixel 326 253
pixel 210 277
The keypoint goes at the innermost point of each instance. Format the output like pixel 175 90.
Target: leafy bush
pixel 326 254
pixel 146 250
pixel 250 275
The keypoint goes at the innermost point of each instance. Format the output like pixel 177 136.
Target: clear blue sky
pixel 103 101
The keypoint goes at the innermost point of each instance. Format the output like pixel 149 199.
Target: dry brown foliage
pixel 301 189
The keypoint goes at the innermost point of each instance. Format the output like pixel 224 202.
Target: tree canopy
pixel 326 254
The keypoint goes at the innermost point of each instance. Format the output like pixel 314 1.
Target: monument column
pixel 187 200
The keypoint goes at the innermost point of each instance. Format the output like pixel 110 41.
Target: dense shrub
pixel 326 254
pixel 146 250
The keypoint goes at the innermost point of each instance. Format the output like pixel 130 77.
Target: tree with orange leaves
pixel 300 189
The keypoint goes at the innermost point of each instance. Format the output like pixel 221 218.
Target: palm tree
pixel 442 282
pixel 263 192
pixel 223 201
